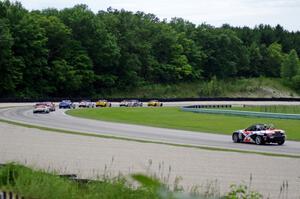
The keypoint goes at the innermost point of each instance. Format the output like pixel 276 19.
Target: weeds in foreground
pixel 284 190
pixel 38 184
pixel 242 192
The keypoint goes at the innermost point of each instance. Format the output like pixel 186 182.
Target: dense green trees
pixel 290 70
pixel 75 52
pixel 290 65
pixel 9 72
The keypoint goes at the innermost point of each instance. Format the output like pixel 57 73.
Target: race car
pixel 124 103
pixel 66 104
pixel 131 103
pixel 50 105
pixel 259 134
pixel 87 104
pixel 103 103
pixel 41 108
pixel 155 103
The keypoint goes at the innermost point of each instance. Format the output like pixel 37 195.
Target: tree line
pixel 76 52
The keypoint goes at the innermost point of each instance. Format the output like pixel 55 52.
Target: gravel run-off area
pixel 91 156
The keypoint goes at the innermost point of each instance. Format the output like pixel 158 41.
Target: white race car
pixel 87 104
pixel 131 103
pixel 259 134
pixel 41 108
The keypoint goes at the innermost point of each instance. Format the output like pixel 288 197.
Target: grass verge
pixel 30 183
pixel 150 142
pixel 172 117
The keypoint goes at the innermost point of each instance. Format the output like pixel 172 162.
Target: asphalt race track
pixel 59 120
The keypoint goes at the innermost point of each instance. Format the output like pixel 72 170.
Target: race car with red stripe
pixel 259 134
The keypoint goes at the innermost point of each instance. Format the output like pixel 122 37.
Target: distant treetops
pixel 75 52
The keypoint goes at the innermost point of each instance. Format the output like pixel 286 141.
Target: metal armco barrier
pixel 210 106
pixel 243 113
pixel 9 195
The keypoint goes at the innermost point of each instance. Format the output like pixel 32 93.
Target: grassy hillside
pixel 255 87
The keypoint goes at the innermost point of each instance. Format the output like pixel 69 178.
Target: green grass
pixel 32 183
pixel 171 117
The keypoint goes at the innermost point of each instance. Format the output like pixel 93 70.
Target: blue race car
pixel 66 104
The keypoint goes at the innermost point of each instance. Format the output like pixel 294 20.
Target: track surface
pixel 60 120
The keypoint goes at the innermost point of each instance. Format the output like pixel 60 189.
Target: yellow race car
pixel 155 103
pixel 103 103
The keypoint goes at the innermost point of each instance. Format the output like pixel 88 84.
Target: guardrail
pixel 199 109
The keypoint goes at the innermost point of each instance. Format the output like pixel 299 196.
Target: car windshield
pixel 40 106
pixel 269 126
pixel 260 127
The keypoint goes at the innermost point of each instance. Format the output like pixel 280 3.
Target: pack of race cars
pixel 47 107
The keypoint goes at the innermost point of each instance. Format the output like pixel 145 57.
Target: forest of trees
pixel 76 52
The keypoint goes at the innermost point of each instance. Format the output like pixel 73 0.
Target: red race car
pixel 259 134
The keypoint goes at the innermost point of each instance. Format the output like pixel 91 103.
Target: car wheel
pixel 235 138
pixel 259 140
pixel 281 142
pixel 161 104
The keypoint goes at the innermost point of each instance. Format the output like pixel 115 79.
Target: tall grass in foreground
pixel 37 184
